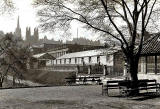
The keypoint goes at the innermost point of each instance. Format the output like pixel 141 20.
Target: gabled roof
pixel 152 45
pixel 43 56
pixel 38 55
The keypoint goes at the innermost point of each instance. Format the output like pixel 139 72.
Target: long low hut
pixel 107 61
pixel 149 64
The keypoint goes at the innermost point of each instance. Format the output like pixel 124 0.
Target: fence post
pixel 104 70
pixel 77 70
pixel 89 69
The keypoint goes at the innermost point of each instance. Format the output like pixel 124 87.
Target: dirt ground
pixel 71 97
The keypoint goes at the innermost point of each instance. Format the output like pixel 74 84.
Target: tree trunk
pixel 1 84
pixel 133 70
pixel 13 82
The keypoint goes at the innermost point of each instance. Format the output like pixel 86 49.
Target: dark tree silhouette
pixel 13 56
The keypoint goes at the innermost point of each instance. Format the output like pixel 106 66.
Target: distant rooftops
pixel 45 47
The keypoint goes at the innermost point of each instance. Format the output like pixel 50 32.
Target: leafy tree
pixel 124 20
pixel 13 56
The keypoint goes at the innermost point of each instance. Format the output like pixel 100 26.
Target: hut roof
pixel 90 53
pixel 152 45
pixel 43 56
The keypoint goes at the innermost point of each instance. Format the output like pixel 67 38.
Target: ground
pixel 70 97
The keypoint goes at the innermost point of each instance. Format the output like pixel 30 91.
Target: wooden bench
pixel 84 80
pixel 126 87
pixel 112 84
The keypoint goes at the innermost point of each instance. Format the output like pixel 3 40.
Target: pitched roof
pixel 152 45
pixel 88 53
pixel 43 56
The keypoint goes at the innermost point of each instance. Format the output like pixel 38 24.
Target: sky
pixel 28 18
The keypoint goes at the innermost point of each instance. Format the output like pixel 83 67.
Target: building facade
pixel 149 64
pixel 97 61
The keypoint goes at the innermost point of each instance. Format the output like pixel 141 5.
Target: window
pixel 151 64
pixel 158 64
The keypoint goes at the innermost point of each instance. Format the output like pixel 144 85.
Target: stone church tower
pixel 31 39
pixel 17 32
pixel 28 34
pixel 36 34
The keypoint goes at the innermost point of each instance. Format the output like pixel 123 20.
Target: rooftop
pixel 152 45
pixel 88 53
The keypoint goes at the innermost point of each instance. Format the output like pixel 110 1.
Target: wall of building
pixel 111 62
pixel 103 60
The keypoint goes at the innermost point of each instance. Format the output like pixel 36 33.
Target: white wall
pixel 58 61
pixel 94 59
pixel 62 61
pixel 79 61
pixel 86 60
pixel 72 60
pixel 67 61
pixel 103 60
pixel 54 61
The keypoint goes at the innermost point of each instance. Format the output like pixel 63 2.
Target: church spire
pixel 17 32
pixel 18 26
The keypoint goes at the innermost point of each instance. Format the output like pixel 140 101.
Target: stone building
pixel 31 39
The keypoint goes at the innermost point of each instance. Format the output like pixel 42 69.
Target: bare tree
pixel 109 17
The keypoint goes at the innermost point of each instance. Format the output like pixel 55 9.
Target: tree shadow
pixel 139 97
pixel 145 96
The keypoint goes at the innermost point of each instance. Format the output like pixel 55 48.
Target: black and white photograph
pixel 79 54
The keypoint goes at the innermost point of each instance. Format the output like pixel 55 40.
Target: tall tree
pixel 13 56
pixel 123 20
pixel 6 6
